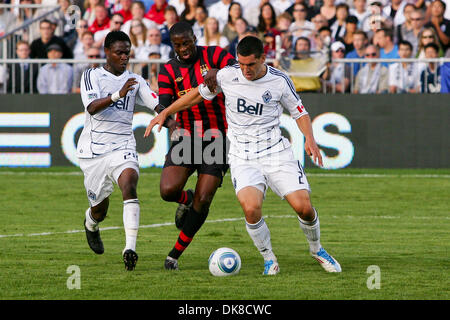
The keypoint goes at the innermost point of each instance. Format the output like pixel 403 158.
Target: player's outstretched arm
pixel 102 103
pixel 311 148
pixel 190 99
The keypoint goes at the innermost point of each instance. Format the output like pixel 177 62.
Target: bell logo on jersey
pixel 121 104
pixel 242 107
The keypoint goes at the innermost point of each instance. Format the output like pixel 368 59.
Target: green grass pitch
pixel 396 220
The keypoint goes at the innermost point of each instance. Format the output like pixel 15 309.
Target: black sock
pixel 193 223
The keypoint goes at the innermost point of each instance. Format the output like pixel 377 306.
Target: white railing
pixel 8 73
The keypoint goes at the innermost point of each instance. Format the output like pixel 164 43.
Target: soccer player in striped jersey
pixel 176 78
pixel 107 147
pixel 259 156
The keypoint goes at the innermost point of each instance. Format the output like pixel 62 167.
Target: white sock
pixel 91 224
pixel 260 234
pixel 131 213
pixel 311 229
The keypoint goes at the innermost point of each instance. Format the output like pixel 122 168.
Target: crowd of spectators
pixel 307 31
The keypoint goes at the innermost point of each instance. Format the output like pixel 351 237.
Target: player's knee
pixel 202 202
pixel 305 212
pixel 169 193
pixel 252 212
pixel 129 191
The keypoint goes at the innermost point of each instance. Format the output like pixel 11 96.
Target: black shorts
pixel 200 157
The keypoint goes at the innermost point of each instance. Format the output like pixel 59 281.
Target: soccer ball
pixel 224 262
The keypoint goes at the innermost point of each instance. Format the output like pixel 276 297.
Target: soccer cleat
pixel 326 261
pixel 180 214
pixel 94 240
pixel 171 264
pixel 130 259
pixel 271 267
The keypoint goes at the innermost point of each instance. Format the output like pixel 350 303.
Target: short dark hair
pixel 432 45
pixel 115 36
pixel 388 32
pixel 180 28
pixel 250 45
pixel 405 43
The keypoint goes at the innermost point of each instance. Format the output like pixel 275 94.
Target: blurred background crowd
pixel 324 45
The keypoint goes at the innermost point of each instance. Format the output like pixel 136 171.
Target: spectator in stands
pixel 234 12
pixel 241 26
pixel 101 19
pixel 65 21
pixel 267 20
pixel 360 12
pixel 138 37
pixel 404 77
pixel 24 73
pixel 360 42
pixel 322 40
pixel 284 21
pixel 337 75
pixel 427 36
pixel 138 13
pixel 445 75
pixel 281 5
pixel 439 23
pixel 301 27
pixel 376 20
pixel 319 21
pixel 25 15
pixel 151 76
pixel 201 13
pixel 406 25
pixel 302 49
pixel 156 12
pixel 350 28
pixel 373 77
pixel 384 38
pixel 188 14
pixel 115 24
pixel 154 41
pixel 219 10
pixel 79 68
pixel 89 10
pixel 76 46
pixel 87 40
pixel 7 20
pixel 39 46
pixel 55 78
pixel 395 11
pixel 304 63
pixel 411 33
pixel 126 10
pixel 310 8
pixel 430 78
pixel 338 26
pixel 328 10
pixel 212 36
pixel 179 5
pixel 171 17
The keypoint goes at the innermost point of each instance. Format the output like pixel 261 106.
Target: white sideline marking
pixel 157 225
pixel 333 175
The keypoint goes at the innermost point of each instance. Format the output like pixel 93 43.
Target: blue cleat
pixel 326 261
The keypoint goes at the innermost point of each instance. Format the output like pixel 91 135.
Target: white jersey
pixel 111 129
pixel 253 110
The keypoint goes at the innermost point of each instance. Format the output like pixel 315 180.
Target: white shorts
pixel 102 172
pixel 279 171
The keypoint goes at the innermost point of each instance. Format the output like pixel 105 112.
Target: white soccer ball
pixel 224 262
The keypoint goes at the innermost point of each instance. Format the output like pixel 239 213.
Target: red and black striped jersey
pixel 176 79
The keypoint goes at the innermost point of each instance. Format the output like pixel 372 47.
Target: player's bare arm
pixel 211 79
pixel 190 99
pixel 311 148
pixel 102 103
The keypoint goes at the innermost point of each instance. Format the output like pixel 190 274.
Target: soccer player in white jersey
pixel 107 147
pixel 259 157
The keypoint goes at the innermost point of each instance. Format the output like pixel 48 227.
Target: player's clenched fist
pixel 129 85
